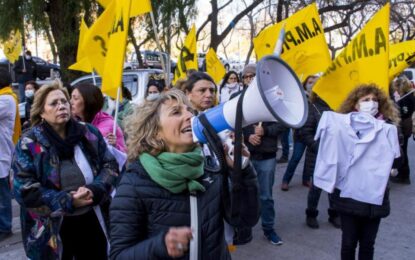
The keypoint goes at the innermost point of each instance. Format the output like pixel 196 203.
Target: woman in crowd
pixel 63 176
pixel 230 84
pixel 360 220
pixel 168 202
pixel 30 89
pixel 86 104
pixel 299 146
pixel 124 107
pixel 200 89
pixel 316 108
pixel 406 103
pixel 154 89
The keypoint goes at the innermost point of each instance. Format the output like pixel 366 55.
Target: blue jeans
pixel 265 173
pixel 298 152
pixel 5 206
pixel 285 143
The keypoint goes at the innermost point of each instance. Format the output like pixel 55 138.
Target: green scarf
pixel 175 172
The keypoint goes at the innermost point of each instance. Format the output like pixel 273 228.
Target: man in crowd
pixel 25 69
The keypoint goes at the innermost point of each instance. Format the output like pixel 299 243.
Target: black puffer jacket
pixel 357 208
pixel 142 212
pixel 269 142
pixel 308 131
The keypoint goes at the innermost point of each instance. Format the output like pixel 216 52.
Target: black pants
pixel 83 238
pixel 313 198
pixel 404 169
pixel 360 230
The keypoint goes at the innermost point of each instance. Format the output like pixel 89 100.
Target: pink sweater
pixel 105 123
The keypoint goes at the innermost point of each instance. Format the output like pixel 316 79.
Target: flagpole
pixel 280 41
pixel 117 103
pixel 93 78
pixel 163 65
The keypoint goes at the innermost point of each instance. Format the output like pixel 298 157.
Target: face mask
pixel 153 96
pixel 29 93
pixel 370 107
pixel 309 87
pixel 232 85
pixel 28 57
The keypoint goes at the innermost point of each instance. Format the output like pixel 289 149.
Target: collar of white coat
pixel 367 118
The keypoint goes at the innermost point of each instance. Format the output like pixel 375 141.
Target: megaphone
pixel 275 94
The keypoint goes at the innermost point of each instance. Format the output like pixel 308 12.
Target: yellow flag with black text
pixel 305 48
pixel 214 66
pixel 113 70
pixel 364 60
pixel 188 56
pixel 96 41
pixel 82 61
pixel 401 56
pixel 137 6
pixel 12 47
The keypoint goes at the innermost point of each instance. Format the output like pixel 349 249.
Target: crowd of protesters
pixel 147 191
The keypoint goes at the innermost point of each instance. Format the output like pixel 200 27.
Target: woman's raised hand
pixel 177 241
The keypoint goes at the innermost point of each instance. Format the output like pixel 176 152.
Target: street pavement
pixel 394 240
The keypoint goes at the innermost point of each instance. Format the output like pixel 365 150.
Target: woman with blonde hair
pixel 169 202
pixel 406 104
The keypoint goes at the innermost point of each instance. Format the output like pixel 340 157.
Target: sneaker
pixel 282 159
pixel 335 221
pixel 242 236
pixel 284 186
pixel 312 222
pixel 4 236
pixel 273 238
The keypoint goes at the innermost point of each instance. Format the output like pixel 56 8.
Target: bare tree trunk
pixel 52 45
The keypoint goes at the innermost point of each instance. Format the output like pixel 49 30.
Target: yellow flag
pixel 112 76
pixel 13 46
pixel 364 60
pixel 137 6
pixel 401 56
pixel 95 44
pixel 214 66
pixel 188 56
pixel 82 61
pixel 305 48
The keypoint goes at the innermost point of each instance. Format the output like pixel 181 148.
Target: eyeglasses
pixel 249 76
pixel 234 78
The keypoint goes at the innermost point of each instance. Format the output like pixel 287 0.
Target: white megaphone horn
pixel 275 94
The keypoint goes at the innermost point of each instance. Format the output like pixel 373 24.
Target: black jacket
pixel 353 207
pixel 30 73
pixel 142 212
pixel 269 142
pixel 308 131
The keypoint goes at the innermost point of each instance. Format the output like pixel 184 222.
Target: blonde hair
pixel 143 125
pixel 386 106
pixel 40 100
pixel 403 84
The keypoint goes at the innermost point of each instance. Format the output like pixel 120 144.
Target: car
pixel 135 80
pixel 151 59
pixel 43 68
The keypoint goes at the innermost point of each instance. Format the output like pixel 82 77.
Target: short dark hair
pixel 93 100
pixel 195 77
pixel 5 78
pixel 157 83
pixel 126 92
pixel 32 82
pixel 28 53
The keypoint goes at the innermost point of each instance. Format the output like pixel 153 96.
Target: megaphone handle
pixel 229 143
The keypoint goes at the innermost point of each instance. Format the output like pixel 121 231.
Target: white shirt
pixel 226 92
pixel 355 155
pixel 7 119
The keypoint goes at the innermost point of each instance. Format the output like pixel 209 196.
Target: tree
pixel 215 37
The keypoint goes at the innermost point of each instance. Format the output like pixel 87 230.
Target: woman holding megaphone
pixel 169 202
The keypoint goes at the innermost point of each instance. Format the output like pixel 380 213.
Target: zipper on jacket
pixel 194 225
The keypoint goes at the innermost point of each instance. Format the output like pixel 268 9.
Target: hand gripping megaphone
pixel 275 94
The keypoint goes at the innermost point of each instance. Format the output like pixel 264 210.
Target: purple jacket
pixel 105 123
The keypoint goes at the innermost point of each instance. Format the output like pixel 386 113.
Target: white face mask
pixel 309 87
pixel 370 107
pixel 232 85
pixel 111 105
pixel 29 93
pixel 28 57
pixel 153 96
